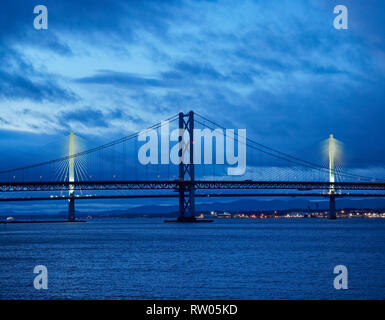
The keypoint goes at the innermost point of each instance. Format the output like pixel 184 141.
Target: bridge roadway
pixel 199 185
pixel 301 189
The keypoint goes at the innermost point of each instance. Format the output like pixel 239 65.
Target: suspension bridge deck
pixel 198 184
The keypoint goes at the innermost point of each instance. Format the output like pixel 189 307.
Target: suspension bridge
pixel 112 171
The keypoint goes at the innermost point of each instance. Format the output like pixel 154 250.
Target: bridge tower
pixel 186 170
pixel 332 199
pixel 71 178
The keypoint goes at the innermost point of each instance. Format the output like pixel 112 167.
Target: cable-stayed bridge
pixel 175 159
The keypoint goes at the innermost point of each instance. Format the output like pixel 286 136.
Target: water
pixel 227 259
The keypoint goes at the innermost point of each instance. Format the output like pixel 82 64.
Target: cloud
pixel 3 121
pixel 89 117
pixel 16 86
pixel 181 75
pixel 20 79
pixel 121 79
pixel 279 69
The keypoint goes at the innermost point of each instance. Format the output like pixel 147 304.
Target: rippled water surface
pixel 227 259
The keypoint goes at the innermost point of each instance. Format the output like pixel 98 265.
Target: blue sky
pixel 277 68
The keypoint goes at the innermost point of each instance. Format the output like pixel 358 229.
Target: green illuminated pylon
pixel 71 165
pixel 332 198
pixel 332 150
pixel 71 177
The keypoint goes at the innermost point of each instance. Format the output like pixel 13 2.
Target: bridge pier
pixel 71 209
pixel 332 207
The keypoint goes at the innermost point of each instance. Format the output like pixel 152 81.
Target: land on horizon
pixel 245 205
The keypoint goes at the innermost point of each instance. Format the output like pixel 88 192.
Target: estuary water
pixel 227 259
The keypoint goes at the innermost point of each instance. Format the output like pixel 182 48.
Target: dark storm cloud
pixel 87 116
pixel 205 71
pixel 18 77
pixel 121 79
pixel 92 117
pixel 3 121
pixel 198 70
pixel 290 79
pixel 15 86
pixel 16 27
pixel 182 74
pixel 84 19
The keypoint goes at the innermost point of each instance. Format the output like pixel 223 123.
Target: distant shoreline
pixel 42 221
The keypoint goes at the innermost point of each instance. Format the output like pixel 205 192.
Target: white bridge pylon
pixel 71 177
pixel 332 199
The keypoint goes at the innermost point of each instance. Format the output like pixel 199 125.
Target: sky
pixel 277 68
